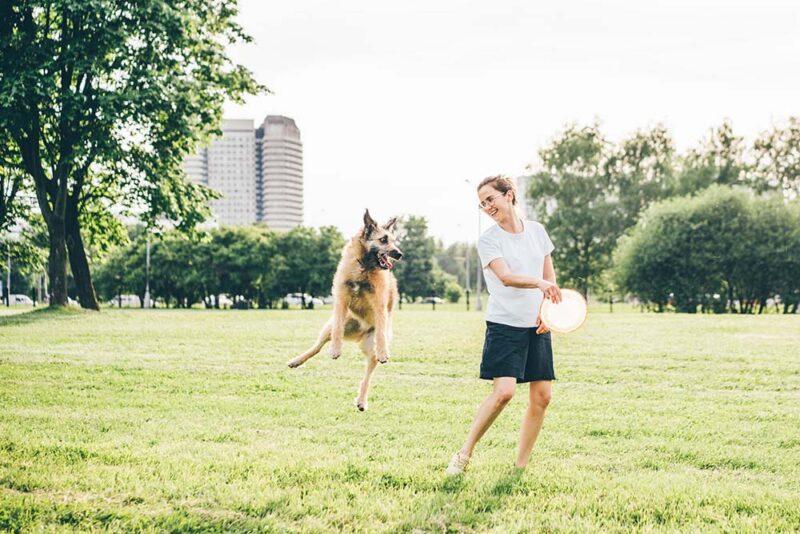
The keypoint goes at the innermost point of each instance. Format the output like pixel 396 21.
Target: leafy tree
pixel 329 251
pixel 777 160
pixel 719 159
pixel 641 171
pixel 721 247
pixel 103 99
pixel 572 197
pixel 27 253
pixel 11 182
pixel 415 277
pixel 298 249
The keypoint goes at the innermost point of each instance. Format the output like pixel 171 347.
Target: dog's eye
pixel 384 240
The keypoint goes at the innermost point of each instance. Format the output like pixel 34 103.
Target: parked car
pixel 429 300
pixel 296 299
pixel 127 301
pixel 20 299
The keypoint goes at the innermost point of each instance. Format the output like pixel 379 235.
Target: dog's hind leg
pixel 368 348
pixel 324 337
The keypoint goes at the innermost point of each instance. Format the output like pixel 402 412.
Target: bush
pixel 724 249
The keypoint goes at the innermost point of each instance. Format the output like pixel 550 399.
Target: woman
pixel 515 256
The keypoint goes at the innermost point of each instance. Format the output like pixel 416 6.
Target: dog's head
pixel 379 244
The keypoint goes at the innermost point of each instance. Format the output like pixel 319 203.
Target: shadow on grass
pixel 41 314
pixel 457 505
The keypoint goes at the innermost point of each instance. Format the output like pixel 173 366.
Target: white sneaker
pixel 458 464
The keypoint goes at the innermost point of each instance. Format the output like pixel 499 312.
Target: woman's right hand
pixel 551 291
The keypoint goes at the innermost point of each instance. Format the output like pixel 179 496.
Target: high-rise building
pixel 259 173
pixel 280 198
pixel 232 172
pixel 522 196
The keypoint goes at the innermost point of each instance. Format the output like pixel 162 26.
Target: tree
pixel 330 243
pixel 719 159
pixel 11 182
pixel 415 272
pixel 103 99
pixel 572 196
pixel 777 160
pixel 295 273
pixel 719 249
pixel 641 170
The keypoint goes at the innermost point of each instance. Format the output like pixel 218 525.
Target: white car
pixel 21 299
pixel 296 299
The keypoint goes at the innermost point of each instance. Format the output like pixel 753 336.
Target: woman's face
pixel 494 203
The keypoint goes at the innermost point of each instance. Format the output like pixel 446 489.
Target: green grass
pixel 190 421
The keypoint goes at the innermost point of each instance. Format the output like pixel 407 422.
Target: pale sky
pixel 399 103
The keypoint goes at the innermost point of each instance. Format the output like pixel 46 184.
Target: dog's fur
pixel 364 296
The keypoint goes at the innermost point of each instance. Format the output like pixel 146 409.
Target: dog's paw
pixel 335 351
pixel 361 405
pixel 382 358
pixel 294 363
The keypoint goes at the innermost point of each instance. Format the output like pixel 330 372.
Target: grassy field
pixel 190 421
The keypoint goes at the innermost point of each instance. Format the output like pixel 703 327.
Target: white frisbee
pixel 566 316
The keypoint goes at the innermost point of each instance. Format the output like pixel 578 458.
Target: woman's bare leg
pixel 540 394
pixel 503 392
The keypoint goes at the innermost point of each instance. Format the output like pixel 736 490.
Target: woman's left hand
pixel 542 328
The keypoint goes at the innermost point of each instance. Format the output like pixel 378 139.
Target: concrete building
pixel 232 172
pixel 259 173
pixel 280 176
pixel 522 197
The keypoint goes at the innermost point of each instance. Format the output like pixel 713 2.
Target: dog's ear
pixel 389 226
pixel 369 224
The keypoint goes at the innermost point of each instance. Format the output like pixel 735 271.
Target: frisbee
pixel 566 316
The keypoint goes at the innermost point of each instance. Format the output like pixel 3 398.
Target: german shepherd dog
pixel 364 296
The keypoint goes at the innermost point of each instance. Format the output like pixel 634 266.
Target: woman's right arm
pixel 500 268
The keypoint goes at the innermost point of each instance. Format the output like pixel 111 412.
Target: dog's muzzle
pixel 386 260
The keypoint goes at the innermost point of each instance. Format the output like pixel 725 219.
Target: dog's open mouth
pixel 385 261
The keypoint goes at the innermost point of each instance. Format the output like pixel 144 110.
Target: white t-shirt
pixel 524 253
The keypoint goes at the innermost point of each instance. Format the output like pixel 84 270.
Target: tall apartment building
pixel 259 173
pixel 281 175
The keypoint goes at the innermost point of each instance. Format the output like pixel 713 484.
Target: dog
pixel 364 296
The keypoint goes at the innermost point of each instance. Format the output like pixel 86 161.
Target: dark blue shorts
pixel 517 352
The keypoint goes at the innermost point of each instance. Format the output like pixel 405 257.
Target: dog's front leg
pixel 337 327
pixel 381 338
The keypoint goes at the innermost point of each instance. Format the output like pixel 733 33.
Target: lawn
pixel 190 420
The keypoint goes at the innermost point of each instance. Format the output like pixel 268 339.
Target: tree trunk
pixel 57 263
pixel 78 261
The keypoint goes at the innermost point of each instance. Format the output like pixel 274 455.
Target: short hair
pixel 504 184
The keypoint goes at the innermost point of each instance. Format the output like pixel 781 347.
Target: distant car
pixel 436 300
pixel 130 301
pixel 296 299
pixel 20 299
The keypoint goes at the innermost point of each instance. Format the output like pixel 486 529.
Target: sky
pixel 404 107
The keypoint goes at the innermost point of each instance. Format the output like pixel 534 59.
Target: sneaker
pixel 458 464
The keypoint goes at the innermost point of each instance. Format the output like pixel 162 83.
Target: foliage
pixel 777 159
pixel 251 265
pixel 103 99
pixel 722 246
pixel 572 197
pixel 717 160
pixel 415 272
